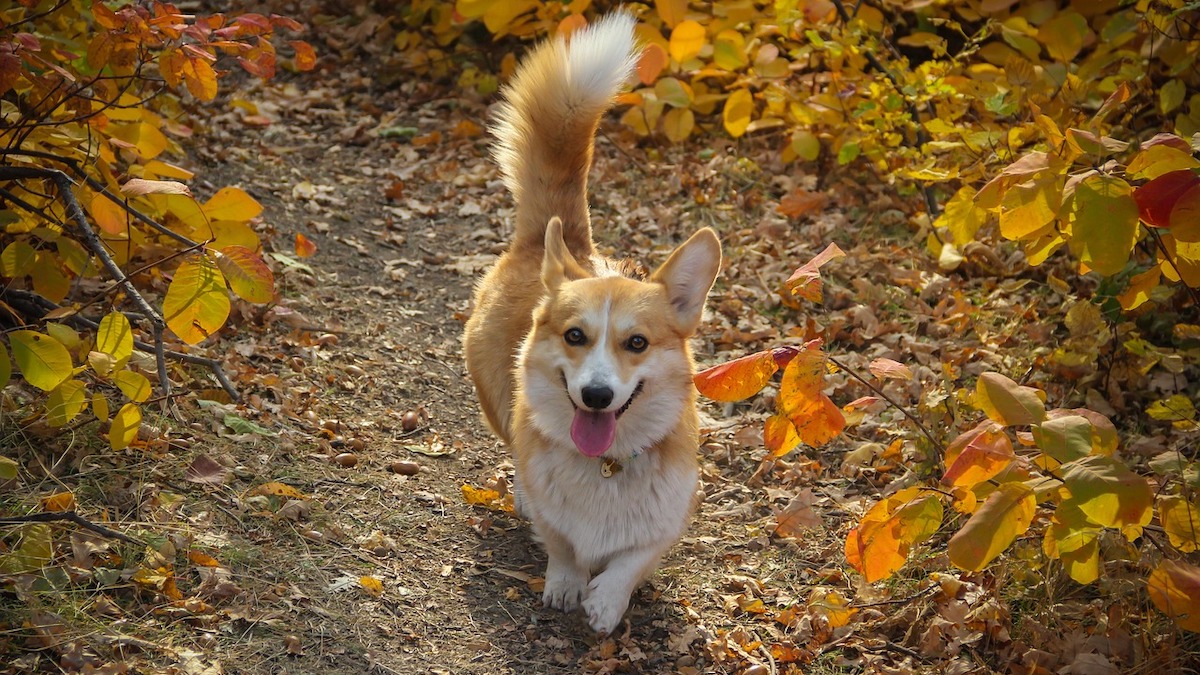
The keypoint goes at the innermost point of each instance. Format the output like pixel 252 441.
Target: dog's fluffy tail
pixel 546 124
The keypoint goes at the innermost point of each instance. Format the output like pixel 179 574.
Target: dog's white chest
pixel 644 504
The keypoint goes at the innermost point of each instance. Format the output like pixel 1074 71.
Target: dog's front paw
pixel 605 604
pixel 564 590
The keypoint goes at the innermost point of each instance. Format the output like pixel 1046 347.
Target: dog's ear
pixel 558 265
pixel 689 274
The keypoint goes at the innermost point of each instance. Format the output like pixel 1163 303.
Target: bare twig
pixel 72 517
pixel 26 298
pixel 912 418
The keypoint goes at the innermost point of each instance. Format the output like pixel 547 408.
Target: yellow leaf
pixel 277 489
pixel 100 407
pixel 232 203
pixel 962 217
pixel 1029 208
pixel 1003 516
pixel 65 403
pixel 671 11
pixel 125 426
pixel 739 107
pixel 1181 521
pixel 1140 286
pixel 687 39
pixel 1109 492
pixel 133 384
pixel 247 274
pixel 197 303
pixel 44 362
pixel 1104 223
pixel 115 338
pixel 833 606
pixel 1008 403
pixel 371 585
pixel 473 9
pixel 1158 160
pixel 5 367
pixel 143 138
pixel 487 498
pixel 729 50
pixel 678 124
pixel 199 77
pixel 1073 540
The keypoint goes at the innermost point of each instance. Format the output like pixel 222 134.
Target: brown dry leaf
pixel 888 369
pixel 800 202
pixel 140 186
pixel 798 515
pixel 205 469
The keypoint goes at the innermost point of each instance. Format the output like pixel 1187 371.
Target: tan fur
pixel 603 535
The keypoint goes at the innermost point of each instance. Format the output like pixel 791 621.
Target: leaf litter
pixel 266 538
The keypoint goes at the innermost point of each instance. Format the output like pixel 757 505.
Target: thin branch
pixel 931 203
pixel 103 189
pixel 41 304
pixel 71 517
pixel 912 418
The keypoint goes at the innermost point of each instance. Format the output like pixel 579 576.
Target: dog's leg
pixel 566 580
pixel 608 593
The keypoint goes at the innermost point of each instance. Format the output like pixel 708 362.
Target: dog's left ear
pixel 689 274
pixel 558 265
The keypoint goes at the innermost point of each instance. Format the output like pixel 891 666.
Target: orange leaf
pixel 304 246
pixel 571 24
pixel 882 541
pixel 200 78
pixel 247 274
pixel 202 559
pixel 651 64
pixel 306 58
pixel 1175 589
pixel 737 379
pixel 60 501
pixel 806 280
pixel 277 489
pixel 978 455
pixel 780 436
pixel 109 215
pixel 371 585
pixel 816 418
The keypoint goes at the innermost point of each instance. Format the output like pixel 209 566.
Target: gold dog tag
pixel 610 467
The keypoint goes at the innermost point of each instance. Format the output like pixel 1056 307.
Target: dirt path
pixel 391 281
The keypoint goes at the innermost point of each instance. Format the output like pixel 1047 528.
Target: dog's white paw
pixel 605 604
pixel 563 590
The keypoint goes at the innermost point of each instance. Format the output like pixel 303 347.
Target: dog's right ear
pixel 558 265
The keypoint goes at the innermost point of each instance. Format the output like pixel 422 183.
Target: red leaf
pixel 1157 198
pixel 306 58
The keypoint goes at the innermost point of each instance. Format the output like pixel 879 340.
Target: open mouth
pixel 594 431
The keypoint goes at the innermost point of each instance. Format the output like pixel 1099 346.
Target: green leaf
pixel 242 425
pixel 196 304
pixel 1007 402
pixel 35 550
pixel 729 50
pixel 247 274
pixel 1104 223
pixel 44 362
pixel 1108 492
pixel 1064 438
pixel 8 469
pixel 5 367
pixel 848 153
pixel 806 145
pixel 1074 540
pixel 674 93
pixel 1004 516
pixel 114 337
pixel 125 426
pixel 17 260
pixel 65 402
pixel 1172 95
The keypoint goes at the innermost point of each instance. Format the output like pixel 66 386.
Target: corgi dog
pixel 581 363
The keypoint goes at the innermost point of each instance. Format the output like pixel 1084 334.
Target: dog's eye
pixel 575 337
pixel 637 343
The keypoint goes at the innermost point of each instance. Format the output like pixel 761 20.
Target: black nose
pixel 597 397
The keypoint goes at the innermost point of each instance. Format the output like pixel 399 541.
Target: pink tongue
pixel 593 432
